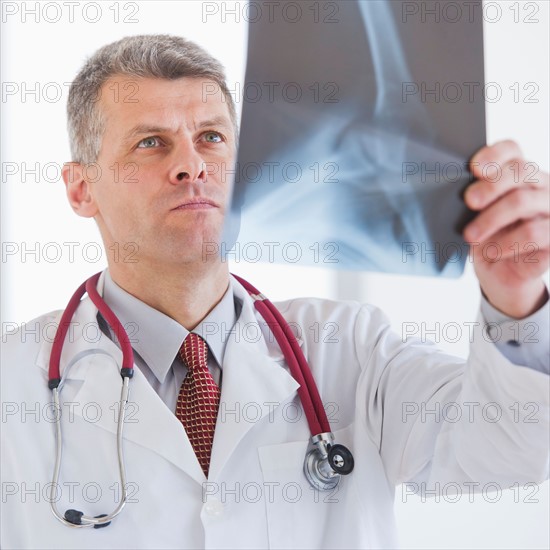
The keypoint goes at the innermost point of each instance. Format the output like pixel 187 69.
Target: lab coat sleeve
pixel 440 421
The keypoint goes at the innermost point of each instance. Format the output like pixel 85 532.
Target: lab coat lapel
pixel 149 423
pixel 96 364
pixel 255 382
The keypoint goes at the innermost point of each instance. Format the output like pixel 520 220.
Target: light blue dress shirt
pixel 522 341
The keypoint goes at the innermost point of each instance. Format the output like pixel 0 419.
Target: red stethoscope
pixel 325 462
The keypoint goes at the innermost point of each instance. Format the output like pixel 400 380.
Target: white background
pixel 40 54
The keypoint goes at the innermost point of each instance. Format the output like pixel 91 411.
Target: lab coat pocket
pixel 299 516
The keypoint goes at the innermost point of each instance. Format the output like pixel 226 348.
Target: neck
pixel 185 294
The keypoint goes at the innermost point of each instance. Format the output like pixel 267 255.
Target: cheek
pixel 117 204
pixel 125 183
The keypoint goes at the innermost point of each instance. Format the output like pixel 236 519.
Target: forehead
pixel 127 100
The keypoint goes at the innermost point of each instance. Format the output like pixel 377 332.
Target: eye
pixel 148 142
pixel 213 137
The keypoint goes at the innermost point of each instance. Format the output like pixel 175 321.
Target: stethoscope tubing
pixel 88 286
pixel 105 519
pixel 112 320
pixel 297 363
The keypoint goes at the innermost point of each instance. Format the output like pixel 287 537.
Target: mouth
pixel 196 204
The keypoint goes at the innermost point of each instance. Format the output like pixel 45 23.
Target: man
pixel 137 110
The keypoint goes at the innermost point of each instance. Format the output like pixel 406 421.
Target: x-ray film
pixel 358 121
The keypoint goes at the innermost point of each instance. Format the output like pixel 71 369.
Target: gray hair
pixel 148 56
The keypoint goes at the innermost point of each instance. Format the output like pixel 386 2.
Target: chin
pixel 186 252
pixel 185 246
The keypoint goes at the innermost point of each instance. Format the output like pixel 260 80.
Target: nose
pixel 189 166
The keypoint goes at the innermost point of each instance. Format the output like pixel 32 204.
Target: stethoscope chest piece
pixel 326 463
pixel 340 459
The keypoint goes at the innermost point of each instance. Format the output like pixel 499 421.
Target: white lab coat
pixel 256 495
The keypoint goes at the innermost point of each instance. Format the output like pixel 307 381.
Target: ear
pixel 78 190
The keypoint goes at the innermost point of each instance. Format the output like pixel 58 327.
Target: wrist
pixel 517 303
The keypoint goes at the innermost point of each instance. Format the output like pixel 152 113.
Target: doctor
pixel 137 109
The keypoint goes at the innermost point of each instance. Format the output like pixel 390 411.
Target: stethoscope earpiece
pixel 75 518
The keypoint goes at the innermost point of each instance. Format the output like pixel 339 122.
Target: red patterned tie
pixel 198 400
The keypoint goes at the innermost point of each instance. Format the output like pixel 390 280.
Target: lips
pixel 196 203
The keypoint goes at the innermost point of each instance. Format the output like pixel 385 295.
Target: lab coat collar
pixel 253 372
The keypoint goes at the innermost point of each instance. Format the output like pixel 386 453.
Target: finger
pixel 499 153
pixel 499 180
pixel 519 204
pixel 522 240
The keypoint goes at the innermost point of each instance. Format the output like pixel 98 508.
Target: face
pixel 164 161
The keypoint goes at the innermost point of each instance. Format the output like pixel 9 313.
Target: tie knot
pixel 194 351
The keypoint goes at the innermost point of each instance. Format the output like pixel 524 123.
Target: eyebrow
pixel 216 121
pixel 140 129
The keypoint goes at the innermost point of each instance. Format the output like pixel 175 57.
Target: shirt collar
pixel 157 338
